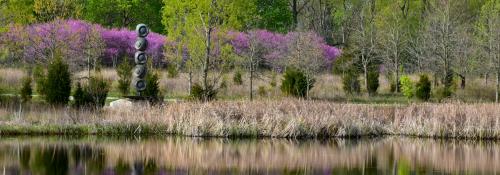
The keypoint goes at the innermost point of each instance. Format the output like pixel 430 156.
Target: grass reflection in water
pixel 177 155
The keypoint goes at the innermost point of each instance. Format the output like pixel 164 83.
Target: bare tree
pixel 305 56
pixel 364 38
pixel 488 30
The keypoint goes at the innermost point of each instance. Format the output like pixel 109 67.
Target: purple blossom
pixel 273 46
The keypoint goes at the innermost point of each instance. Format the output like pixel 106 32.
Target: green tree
pixel 407 87
pixel 58 83
pixel 373 82
pixel 423 91
pixel 152 86
pixel 124 72
pixel 26 89
pixel 125 13
pixel 295 83
pixel 198 27
pixel 48 10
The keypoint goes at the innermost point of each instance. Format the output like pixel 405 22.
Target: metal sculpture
pixel 141 58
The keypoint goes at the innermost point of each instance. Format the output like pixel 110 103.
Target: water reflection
pixel 173 155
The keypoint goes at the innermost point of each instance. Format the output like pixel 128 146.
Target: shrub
pixel 172 71
pixel 58 83
pixel 124 72
pixel 273 80
pixel 26 90
pixel 407 86
pixel 373 82
pixel 80 97
pixel 351 83
pixel 98 90
pixel 152 86
pixel 237 78
pixel 39 78
pixel 423 91
pixel 295 83
pixel 93 94
pixel 199 93
pixel 262 91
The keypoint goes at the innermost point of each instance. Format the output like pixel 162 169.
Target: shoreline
pixel 287 118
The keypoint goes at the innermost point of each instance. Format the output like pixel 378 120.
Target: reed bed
pixel 287 118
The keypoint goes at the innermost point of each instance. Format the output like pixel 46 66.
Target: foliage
pixel 81 98
pixel 125 14
pixel 57 87
pixel 407 87
pixel 198 93
pixel 91 95
pixel 77 41
pixel 172 71
pixel 120 43
pixel 373 82
pixel 423 88
pixel 152 86
pixel 26 90
pixel 40 79
pixel 124 72
pixel 262 91
pixel 97 89
pixel 351 83
pixel 295 83
pixel 237 78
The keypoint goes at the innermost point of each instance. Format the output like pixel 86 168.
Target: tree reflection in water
pixel 111 156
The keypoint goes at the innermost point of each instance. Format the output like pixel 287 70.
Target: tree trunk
pixel 251 79
pixel 190 82
pixel 462 81
pixel 207 62
pixel 365 72
pixel 295 14
pixel 397 79
pixel 497 87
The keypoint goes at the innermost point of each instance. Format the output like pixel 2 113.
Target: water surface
pixel 180 155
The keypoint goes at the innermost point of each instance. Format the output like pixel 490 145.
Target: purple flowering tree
pixel 120 44
pixel 78 42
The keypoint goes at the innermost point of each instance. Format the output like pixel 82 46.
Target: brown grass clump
pixel 281 118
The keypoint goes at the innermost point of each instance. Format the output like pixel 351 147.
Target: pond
pixel 181 155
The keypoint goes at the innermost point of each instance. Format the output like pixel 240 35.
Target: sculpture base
pixel 136 98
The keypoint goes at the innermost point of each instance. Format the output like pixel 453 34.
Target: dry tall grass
pixel 284 118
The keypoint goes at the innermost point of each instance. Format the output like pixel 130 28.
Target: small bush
pixel 237 78
pixel 351 83
pixel 262 91
pixel 58 83
pixel 407 87
pixel 152 86
pixel 172 71
pixel 39 78
pixel 98 89
pixel 93 94
pixel 199 93
pixel 373 82
pixel 295 83
pixel 26 90
pixel 423 91
pixel 80 97
pixel 124 72
pixel 273 80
